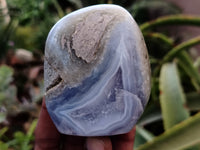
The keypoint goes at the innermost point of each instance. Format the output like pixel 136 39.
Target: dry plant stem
pixel 171 20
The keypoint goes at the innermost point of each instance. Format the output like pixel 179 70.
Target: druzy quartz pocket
pixel 96 72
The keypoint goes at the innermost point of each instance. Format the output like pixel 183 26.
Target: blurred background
pixel 171 29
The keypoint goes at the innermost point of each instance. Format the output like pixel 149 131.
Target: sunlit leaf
pixel 172 98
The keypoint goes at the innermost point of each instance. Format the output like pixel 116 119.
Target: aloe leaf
pixel 171 20
pixel 161 37
pixel 181 136
pixel 143 10
pixel 142 136
pixel 154 4
pixel 76 3
pixel 154 88
pixel 186 63
pixel 139 140
pixel 151 114
pixel 166 41
pixel 145 134
pixel 197 63
pixel 193 101
pixel 151 118
pixel 58 8
pixel 181 47
pixel 194 147
pixel 172 98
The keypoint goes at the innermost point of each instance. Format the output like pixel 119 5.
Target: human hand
pixel 47 137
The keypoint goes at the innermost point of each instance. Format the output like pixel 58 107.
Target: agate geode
pixel 96 72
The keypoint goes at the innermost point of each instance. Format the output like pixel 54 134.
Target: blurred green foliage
pixel 171 118
pixel 7 92
pixel 20 141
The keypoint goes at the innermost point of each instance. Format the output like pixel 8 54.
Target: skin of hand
pixel 47 137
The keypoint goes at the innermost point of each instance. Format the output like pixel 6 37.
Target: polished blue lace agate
pixel 96 72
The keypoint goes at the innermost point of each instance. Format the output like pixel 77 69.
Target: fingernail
pixel 94 143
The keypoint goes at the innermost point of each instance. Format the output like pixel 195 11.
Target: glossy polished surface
pixel 97 74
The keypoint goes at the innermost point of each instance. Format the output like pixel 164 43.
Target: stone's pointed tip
pixel 97 75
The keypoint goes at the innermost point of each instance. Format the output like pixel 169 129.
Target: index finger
pixel 47 136
pixel 124 141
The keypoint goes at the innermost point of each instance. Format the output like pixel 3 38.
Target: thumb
pixel 98 143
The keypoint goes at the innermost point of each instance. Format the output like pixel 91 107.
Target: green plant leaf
pixel 139 140
pixel 142 136
pixel 17 140
pixel 197 63
pixel 151 114
pixel 6 74
pixel 171 20
pixel 181 136
pixel 29 136
pixel 161 37
pixel 22 141
pixel 5 34
pixel 58 8
pixel 181 47
pixel 186 63
pixel 3 131
pixel 3 146
pixel 77 3
pixel 193 101
pixel 2 118
pixel 172 98
pixel 146 134
pixel 140 9
pixel 154 88
pixel 195 147
pixel 8 92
